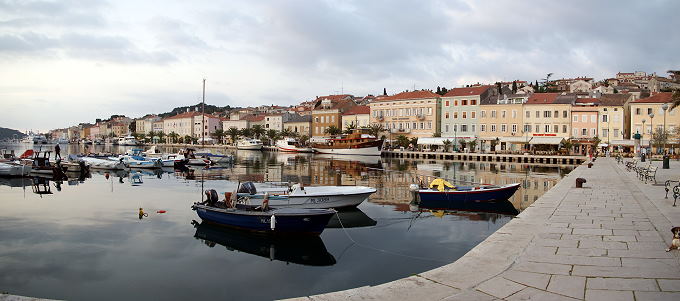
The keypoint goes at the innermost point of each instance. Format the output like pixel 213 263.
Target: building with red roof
pixel 410 113
pixel 358 117
pixel 647 116
pixel 460 111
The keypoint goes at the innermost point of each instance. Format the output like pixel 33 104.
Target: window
pixel 446 115
pixel 547 128
pixel 455 115
pixel 514 128
pixel 493 114
pixel 503 113
pixel 593 132
pixel 593 118
pixel 604 109
pixel 575 118
pixel 556 129
pixel 605 132
pixel 472 114
pixel 564 128
pixel 564 114
pixel 538 128
pixel 584 118
pixel 637 111
pixel 514 113
pixel 527 128
pixel 464 114
pixel 446 128
pixel 463 127
pixel 482 127
pixel 473 102
pixel 547 114
pixel 422 125
pixel 446 103
pixel 415 126
pixel 472 128
pixel 429 125
pixel 528 114
pixel 455 103
pixel 504 128
pixel 575 132
pixel 463 102
pixel 538 114
pixel 455 127
pixel 604 118
pixel 649 111
pixel 616 133
pixel 482 114
pixel 493 128
pixel 584 132
pixel 429 111
pixel 557 114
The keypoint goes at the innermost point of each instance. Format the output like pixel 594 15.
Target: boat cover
pixel 441 184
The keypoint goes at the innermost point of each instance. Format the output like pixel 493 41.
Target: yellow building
pixel 647 115
pixel 412 114
pixel 328 112
pixel 547 119
pixel 613 111
pixel 502 123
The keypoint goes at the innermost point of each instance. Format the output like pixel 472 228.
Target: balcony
pixel 400 131
pixel 420 116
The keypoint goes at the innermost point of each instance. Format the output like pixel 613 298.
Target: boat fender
pixel 161 211
pixel 272 222
pixel 265 202
pixel 414 187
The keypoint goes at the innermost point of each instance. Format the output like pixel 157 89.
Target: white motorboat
pixel 249 144
pixel 128 141
pixel 214 156
pixel 11 169
pixel 292 145
pixel 96 163
pixel 39 139
pixel 188 157
pixel 307 196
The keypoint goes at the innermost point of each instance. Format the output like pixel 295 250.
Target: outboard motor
pixel 211 197
pixel 247 187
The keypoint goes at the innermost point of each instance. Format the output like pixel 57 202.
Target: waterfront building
pixel 647 117
pixel 157 126
pixel 144 125
pixel 461 108
pixel 94 132
pixel 191 124
pixel 85 132
pixel 584 125
pixel 273 122
pixel 564 85
pixel 547 119
pixel 613 128
pixel 300 124
pixel 328 111
pixel 580 85
pixel 358 117
pixel 500 124
pixel 412 114
pixel 238 124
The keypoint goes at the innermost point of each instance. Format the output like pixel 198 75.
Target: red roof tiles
pixel 542 98
pixel 409 95
pixel 661 97
pixel 468 91
pixel 358 110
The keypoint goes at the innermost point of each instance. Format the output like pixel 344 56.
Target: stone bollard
pixel 579 182
pixel 590 165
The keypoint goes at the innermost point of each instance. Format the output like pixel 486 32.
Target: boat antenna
pixel 203 117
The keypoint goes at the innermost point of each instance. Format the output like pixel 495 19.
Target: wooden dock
pixel 489 157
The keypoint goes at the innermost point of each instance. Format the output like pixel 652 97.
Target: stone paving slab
pixel 7 297
pixel 603 242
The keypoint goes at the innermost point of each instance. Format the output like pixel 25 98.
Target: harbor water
pixel 82 239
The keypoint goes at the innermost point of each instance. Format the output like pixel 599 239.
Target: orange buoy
pixel 161 211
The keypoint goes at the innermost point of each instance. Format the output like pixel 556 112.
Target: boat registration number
pixel 319 200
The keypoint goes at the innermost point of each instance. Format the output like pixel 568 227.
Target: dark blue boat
pixel 483 193
pixel 279 221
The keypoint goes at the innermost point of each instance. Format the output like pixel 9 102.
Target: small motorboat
pixel 442 191
pixel 11 169
pixel 98 163
pixel 265 219
pixel 214 157
pixel 249 144
pixel 292 145
pixel 188 157
pixel 42 164
pixel 133 158
pixel 300 196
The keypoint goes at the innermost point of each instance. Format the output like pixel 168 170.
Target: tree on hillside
pixel 384 91
pixel 132 127
pixel 444 91
pixel 439 90
pixel 514 86
pixel 675 99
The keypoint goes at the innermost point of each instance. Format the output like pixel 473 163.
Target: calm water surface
pixel 82 240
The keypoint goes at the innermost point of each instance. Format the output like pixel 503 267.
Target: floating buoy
pixel 272 222
pixel 161 211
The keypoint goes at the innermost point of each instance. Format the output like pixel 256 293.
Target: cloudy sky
pixel 68 61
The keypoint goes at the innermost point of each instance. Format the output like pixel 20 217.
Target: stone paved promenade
pixel 603 242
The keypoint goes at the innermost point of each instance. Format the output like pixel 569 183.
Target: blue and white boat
pixel 214 157
pixel 443 191
pixel 134 159
pixel 300 196
pixel 277 221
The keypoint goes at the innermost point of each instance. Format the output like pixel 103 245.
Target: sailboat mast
pixel 203 117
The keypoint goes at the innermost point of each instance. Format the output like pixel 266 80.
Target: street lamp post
pixel 642 136
pixel 664 107
pixel 651 129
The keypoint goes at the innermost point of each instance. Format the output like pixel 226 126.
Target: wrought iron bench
pixel 676 190
pixel 641 170
pixel 630 165
pixel 650 174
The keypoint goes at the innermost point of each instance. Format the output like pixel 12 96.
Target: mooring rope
pixel 383 250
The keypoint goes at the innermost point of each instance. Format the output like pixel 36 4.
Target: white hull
pixel 367 151
pixel 14 170
pixel 319 197
pixel 95 163
pixel 296 149
pixel 249 147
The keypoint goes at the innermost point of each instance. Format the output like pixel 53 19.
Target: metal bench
pixel 641 170
pixel 650 174
pixel 630 165
pixel 676 190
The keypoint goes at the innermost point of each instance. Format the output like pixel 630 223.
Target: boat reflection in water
pixel 350 218
pixel 16 182
pixel 500 207
pixel 304 250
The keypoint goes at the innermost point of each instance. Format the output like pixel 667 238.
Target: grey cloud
pixel 66 13
pixel 175 33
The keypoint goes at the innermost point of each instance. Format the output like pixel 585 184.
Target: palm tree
pixel 350 128
pixel 233 134
pixel 333 130
pixel 402 141
pixel 247 132
pixel 219 134
pixel 375 129
pixel 151 134
pixel 161 134
pixel 273 135
pixel 258 130
pixel 462 143
pixel 447 145
pixel 173 136
pixel 303 139
pixel 187 139
pixel 675 99
pixel 473 144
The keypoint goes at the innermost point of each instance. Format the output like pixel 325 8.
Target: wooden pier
pixel 489 157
